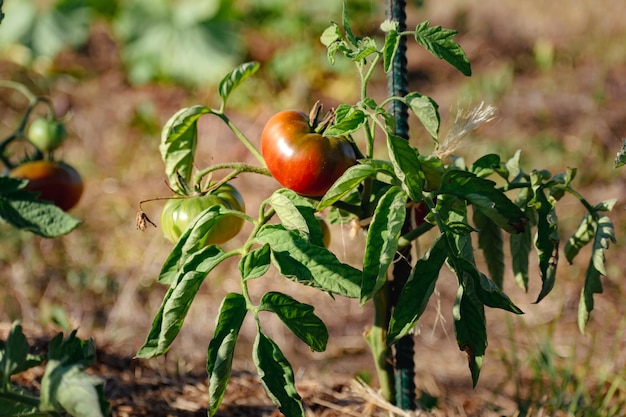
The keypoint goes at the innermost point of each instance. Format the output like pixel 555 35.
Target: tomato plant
pixel 179 212
pixel 300 158
pixel 57 182
pixel 378 183
pixel 46 134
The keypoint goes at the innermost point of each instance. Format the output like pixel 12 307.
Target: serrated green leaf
pixel 345 21
pixel 620 158
pixel 65 384
pixel 486 165
pixel 330 35
pixel 583 235
pixel 298 317
pixel 222 347
pixel 605 234
pixel 364 48
pixel 485 290
pixel 485 197
pixel 426 110
pixel 606 205
pixel 490 241
pixel 349 123
pixel 276 376
pixel 438 41
pixel 179 139
pixel 546 238
pixel 235 78
pixel 297 213
pixel 416 292
pixel 392 41
pixel 22 210
pixel 406 163
pixel 177 301
pixel 255 263
pixel 352 177
pixel 470 329
pixel 382 240
pixel 297 259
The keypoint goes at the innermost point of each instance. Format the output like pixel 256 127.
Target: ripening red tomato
pixel 57 182
pixel 300 159
pixel 178 213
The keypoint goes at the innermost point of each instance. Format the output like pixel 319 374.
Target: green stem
pixel 241 137
pixel 237 168
pixel 376 338
pixel 580 198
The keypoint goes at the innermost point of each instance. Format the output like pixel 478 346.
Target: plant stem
pixel 376 338
pixel 242 137
pixel 237 168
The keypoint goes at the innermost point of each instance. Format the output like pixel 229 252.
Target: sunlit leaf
pixel 297 259
pixel 406 163
pixel 298 317
pixel 276 376
pixel 179 139
pixel 222 347
pixel 235 78
pixel 439 42
pixel 255 263
pixel 392 41
pixel 605 234
pixel 426 110
pixel 382 240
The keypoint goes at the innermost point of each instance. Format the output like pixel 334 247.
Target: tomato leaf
pixel 255 263
pixel 186 252
pixel 484 196
pixel 65 384
pixel 438 41
pixel 183 288
pixel 392 41
pixel 583 235
pixel 297 213
pixel 347 124
pixel 298 317
pixel 490 241
pixel 416 292
pixel 604 235
pixel 547 236
pixel 470 329
pixel 179 139
pixel 426 110
pixel 222 347
pixel 406 163
pixel 520 244
pixel 486 165
pixel 353 176
pixel 382 240
pixel 22 210
pixel 235 78
pixel 276 376
pixel 297 259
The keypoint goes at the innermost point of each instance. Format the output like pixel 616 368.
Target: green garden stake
pixel 397 86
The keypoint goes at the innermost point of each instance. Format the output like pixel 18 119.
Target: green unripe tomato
pixel 46 134
pixel 178 213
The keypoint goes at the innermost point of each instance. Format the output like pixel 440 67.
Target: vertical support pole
pixel 397 85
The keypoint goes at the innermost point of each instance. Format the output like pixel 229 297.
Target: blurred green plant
pixel 65 385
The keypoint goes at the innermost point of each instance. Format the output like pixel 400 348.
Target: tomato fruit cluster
pixel 178 213
pixel 46 134
pixel 301 159
pixel 57 182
